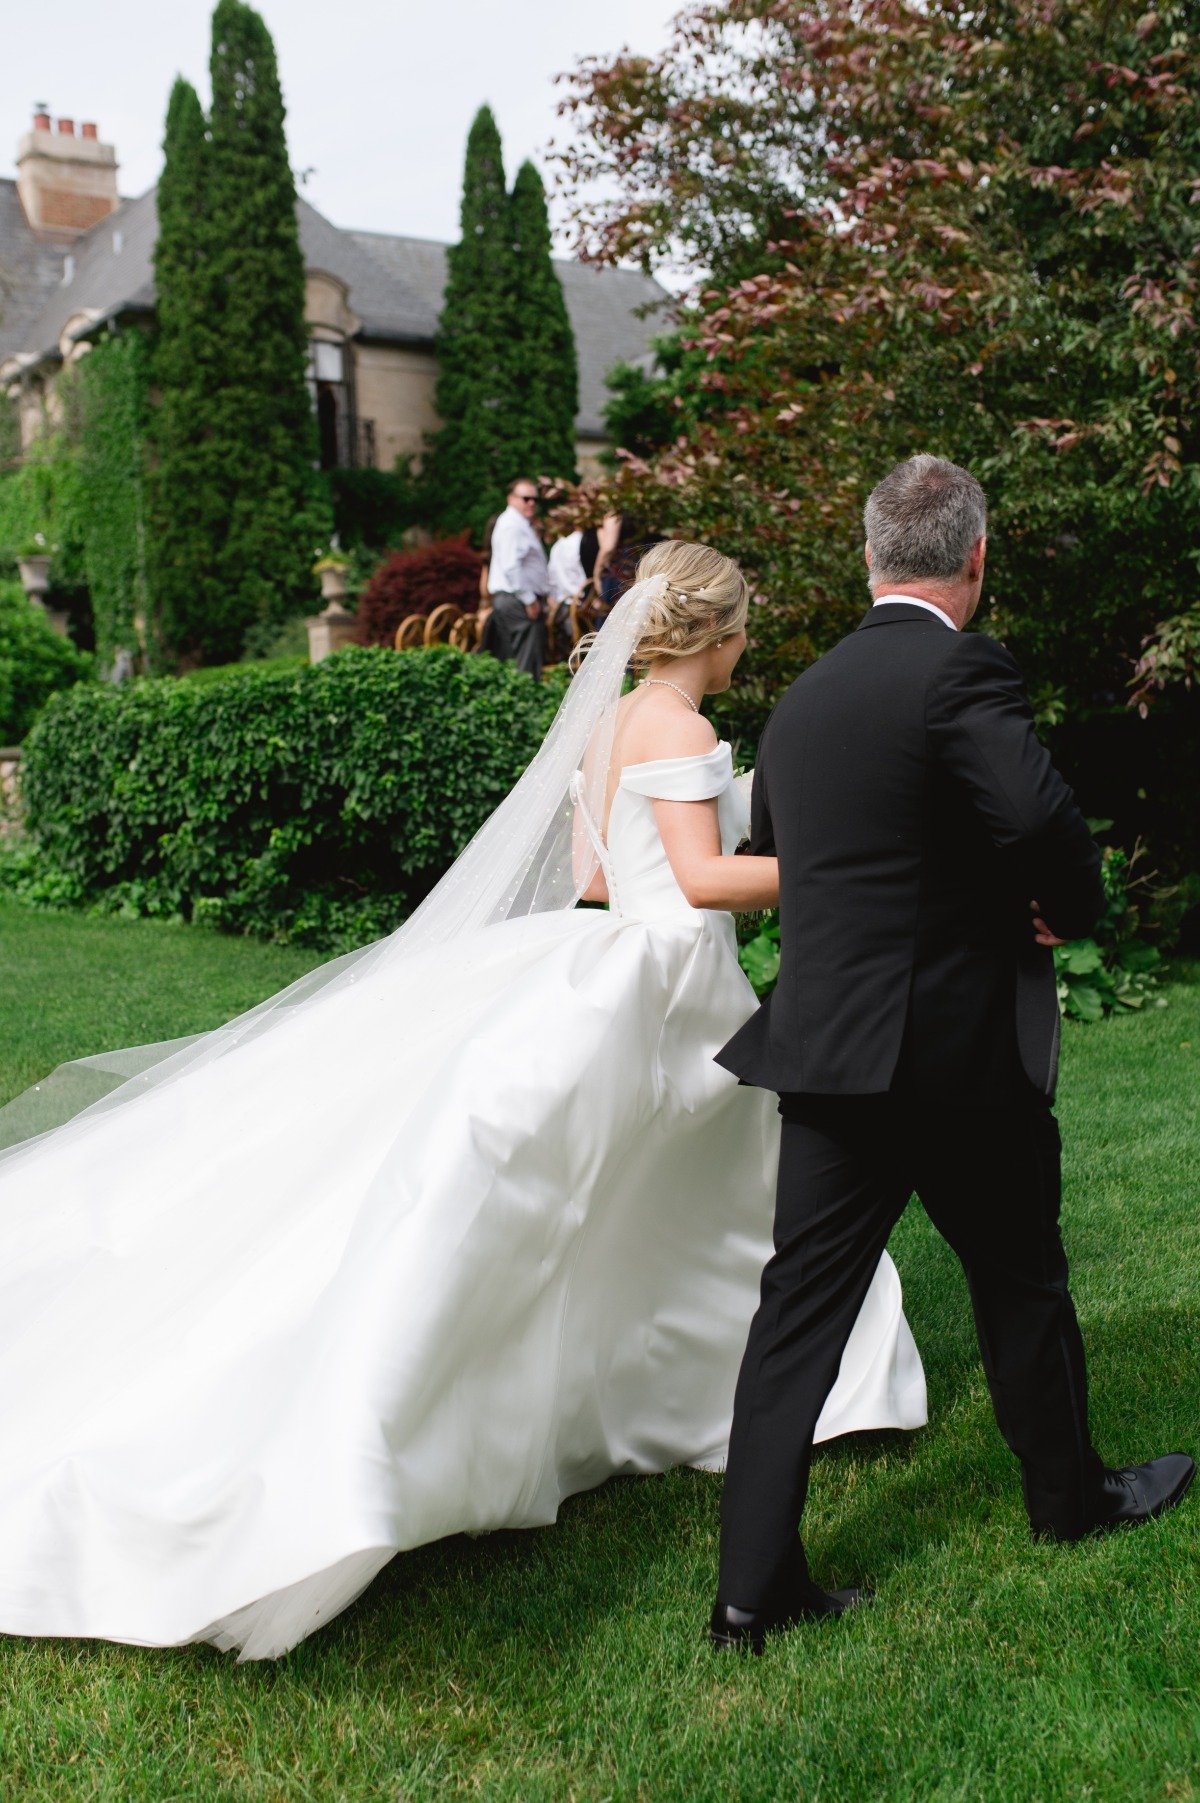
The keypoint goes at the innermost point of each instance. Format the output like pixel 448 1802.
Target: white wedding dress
pixel 446 1245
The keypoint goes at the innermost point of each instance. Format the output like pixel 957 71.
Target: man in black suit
pixel 929 857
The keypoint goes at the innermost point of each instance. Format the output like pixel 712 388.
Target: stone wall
pixel 10 770
pixel 394 386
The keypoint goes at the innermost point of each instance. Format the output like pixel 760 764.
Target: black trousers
pixel 518 639
pixel 988 1178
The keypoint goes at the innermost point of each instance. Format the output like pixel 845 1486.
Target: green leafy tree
pixel 263 426
pixel 542 342
pixel 35 662
pixel 926 226
pixel 472 457
pixel 652 405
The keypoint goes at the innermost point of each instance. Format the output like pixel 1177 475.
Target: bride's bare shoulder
pixel 663 730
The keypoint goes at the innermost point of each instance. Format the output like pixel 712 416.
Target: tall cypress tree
pixel 185 507
pixel 264 433
pixel 547 371
pixel 473 455
pixel 111 505
pixel 237 504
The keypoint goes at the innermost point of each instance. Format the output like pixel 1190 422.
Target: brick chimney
pixel 66 182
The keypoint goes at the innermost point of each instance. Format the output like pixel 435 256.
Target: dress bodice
pixel 641 880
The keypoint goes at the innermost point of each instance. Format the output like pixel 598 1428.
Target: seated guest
pixel 518 581
pixel 572 560
pixel 568 578
pixel 589 550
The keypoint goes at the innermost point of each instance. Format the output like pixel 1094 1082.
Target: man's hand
pixel 1041 931
pixel 534 609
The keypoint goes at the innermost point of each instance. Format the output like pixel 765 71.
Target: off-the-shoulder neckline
pixel 691 757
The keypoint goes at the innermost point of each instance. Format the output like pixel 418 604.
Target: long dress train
pixel 448 1245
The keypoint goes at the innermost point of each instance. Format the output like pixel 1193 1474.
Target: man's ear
pixel 976 559
pixel 867 553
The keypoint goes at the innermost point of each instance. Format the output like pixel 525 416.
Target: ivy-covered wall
pixel 78 492
pixel 40 495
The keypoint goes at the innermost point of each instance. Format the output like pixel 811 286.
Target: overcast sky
pixel 379 93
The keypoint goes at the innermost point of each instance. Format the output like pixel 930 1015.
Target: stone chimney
pixel 66 182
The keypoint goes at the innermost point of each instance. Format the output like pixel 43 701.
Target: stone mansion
pixel 76 258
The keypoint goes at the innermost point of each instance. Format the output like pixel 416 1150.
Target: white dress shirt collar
pixel 912 601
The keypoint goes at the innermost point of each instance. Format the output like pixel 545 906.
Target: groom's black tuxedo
pixel 913 1037
pixel 915 815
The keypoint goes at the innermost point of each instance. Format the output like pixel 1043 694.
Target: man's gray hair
pixel 922 521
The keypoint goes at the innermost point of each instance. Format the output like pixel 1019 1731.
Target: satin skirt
pixel 445 1247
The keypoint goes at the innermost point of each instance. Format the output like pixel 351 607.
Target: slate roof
pixel 395 287
pixel 614 313
pixel 110 271
pixel 29 272
pixel 384 299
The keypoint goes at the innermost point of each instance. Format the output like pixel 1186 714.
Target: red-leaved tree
pixel 966 228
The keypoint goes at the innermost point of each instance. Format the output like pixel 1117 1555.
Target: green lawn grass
pixel 570 1663
pixel 82 983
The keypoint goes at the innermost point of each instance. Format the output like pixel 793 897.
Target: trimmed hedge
pixel 318 807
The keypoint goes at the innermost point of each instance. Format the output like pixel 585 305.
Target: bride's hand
pixel 1041 931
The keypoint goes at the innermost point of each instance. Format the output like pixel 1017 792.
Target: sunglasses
pixel 524 497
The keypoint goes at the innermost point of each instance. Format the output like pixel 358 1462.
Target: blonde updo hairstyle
pixel 704 598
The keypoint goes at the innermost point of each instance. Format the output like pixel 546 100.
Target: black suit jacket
pixel 915 815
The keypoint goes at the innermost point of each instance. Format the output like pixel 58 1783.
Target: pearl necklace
pixel 662 683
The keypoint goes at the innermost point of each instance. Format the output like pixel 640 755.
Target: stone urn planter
pixel 34 570
pixel 333 627
pixel 333 582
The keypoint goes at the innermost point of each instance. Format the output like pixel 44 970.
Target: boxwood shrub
pixel 318 806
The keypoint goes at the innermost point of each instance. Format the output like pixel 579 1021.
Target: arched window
pixel 331 400
pixel 345 441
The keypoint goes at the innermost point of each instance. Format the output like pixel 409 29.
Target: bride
pixel 454 1227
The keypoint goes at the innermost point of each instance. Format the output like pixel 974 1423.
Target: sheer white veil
pixel 537 852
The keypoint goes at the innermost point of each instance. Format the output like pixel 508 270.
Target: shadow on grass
pixel 636 1549
pixel 633 1563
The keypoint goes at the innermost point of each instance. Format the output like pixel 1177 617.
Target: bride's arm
pixel 691 837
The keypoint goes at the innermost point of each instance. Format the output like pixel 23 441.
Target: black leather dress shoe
pixel 1141 1492
pixel 1129 1496
pixel 734 1630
